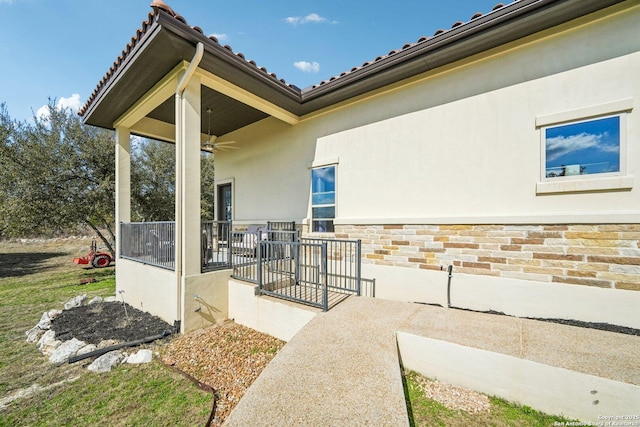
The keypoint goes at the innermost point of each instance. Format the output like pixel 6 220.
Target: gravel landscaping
pixel 226 358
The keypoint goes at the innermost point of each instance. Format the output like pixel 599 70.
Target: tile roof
pixel 160 6
pixel 406 46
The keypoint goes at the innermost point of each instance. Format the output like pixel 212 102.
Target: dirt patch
pixel 107 321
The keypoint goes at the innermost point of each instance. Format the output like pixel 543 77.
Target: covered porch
pixel 274 258
pixel 162 87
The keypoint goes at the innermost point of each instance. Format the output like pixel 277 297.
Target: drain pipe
pixel 101 351
pixel 180 167
pixel 450 274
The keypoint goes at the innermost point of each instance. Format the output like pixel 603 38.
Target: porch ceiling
pixel 227 114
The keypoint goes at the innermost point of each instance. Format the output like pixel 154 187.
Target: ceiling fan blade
pixel 225 148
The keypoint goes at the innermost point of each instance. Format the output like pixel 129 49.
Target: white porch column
pixel 190 180
pixel 188 245
pixel 123 181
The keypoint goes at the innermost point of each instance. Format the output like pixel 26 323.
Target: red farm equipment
pixel 95 258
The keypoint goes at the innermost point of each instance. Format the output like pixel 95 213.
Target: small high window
pixel 586 147
pixel 323 198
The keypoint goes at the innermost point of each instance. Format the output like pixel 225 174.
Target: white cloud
pixel 561 145
pixel 307 67
pixel 72 103
pixel 219 37
pixel 312 17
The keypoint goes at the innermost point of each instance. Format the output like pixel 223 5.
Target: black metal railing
pixel 216 236
pixel 244 250
pixel 306 270
pixel 344 270
pixel 149 243
pixel 295 271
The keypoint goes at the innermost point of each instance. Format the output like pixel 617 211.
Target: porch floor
pixel 343 367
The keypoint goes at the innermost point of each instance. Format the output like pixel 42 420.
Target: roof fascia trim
pixel 155 96
pixel 544 35
pixel 119 72
pixel 465 31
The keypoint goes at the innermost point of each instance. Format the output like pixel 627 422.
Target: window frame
pixel 622 145
pixel 333 205
pixel 609 181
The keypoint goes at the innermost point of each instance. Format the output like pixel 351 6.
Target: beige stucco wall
pixel 147 288
pixel 460 146
pixel 206 299
pixel 515 297
pixel 456 146
pixel 277 318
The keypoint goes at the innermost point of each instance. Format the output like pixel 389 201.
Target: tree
pixel 56 173
pixel 207 187
pixel 153 181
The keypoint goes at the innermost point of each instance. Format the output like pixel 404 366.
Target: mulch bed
pixel 107 321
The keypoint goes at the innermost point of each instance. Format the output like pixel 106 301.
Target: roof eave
pixel 224 54
pixel 119 73
pixel 505 25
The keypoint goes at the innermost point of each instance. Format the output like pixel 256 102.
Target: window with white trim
pixel 323 198
pixel 587 147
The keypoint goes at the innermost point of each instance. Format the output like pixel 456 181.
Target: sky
pixel 592 144
pixel 61 49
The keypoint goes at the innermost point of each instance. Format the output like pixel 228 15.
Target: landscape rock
pixel 142 356
pixel 95 300
pixel 78 301
pixel 87 349
pixel 107 361
pixel 110 299
pixel 34 334
pixel 54 313
pixel 45 321
pixel 66 350
pixel 48 343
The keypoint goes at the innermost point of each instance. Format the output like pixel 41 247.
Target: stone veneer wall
pixel 605 255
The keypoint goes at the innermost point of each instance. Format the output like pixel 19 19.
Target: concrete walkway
pixel 343 367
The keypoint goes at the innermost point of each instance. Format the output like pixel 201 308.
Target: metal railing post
pixel 358 262
pixel 227 236
pixel 259 265
pixel 325 289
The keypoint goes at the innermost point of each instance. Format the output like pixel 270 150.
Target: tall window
pixel 323 198
pixel 583 148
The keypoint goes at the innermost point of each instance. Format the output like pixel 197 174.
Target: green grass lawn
pixel 38 277
pixel 425 412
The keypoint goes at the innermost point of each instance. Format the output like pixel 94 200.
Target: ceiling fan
pixel 210 143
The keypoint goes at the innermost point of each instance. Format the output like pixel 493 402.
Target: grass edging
pixel 424 411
